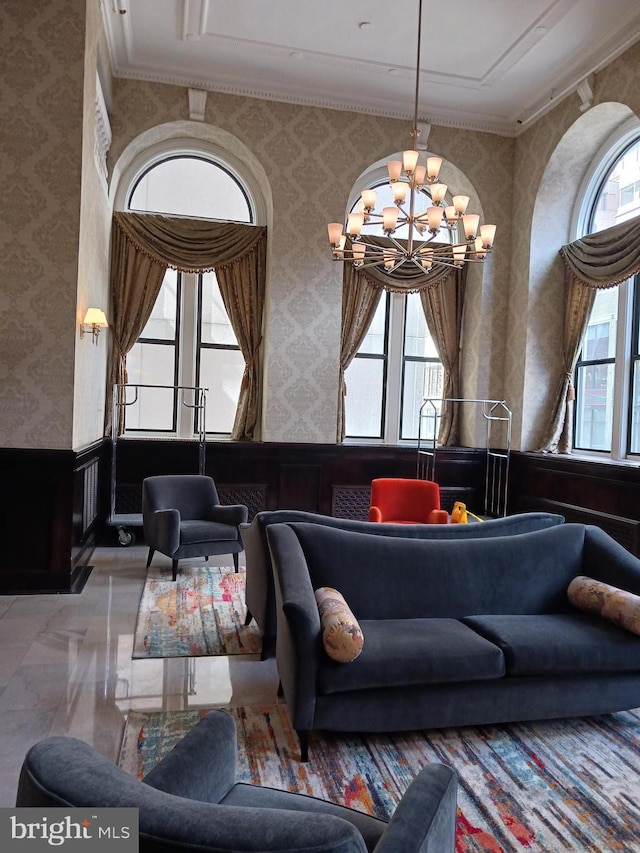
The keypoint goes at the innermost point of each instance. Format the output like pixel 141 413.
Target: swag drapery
pixel 442 293
pixel 144 245
pixel 594 262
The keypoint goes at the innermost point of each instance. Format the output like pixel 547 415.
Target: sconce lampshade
pixel 94 320
pixel 95 317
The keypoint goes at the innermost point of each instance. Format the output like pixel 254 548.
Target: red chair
pixel 402 501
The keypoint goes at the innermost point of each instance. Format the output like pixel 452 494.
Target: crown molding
pixel 469 123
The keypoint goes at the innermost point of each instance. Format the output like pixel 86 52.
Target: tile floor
pixel 66 667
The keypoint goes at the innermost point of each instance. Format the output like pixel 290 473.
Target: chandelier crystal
pixel 420 207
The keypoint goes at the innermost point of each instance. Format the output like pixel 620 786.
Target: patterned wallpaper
pixel 55 260
pixel 311 158
pixel 41 92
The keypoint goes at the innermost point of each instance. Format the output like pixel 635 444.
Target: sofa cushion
pixel 395 578
pixel 400 652
pixel 192 531
pixel 559 643
pixel 341 635
pixel 617 605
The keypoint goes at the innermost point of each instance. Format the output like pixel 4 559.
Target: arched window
pixel 607 376
pixel 188 340
pixel 397 364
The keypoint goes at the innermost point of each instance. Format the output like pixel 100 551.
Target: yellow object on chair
pixel 460 514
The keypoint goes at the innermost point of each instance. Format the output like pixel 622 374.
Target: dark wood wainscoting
pixel 590 492
pixel 330 479
pixel 51 513
pixel 57 503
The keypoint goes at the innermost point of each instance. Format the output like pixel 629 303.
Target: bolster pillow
pixel 617 605
pixel 342 636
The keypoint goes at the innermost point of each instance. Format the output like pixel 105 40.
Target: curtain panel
pixel 441 291
pixel 443 306
pixel 359 302
pixel 143 245
pixel 593 262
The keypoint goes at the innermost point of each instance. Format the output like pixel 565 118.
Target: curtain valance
pixel 408 278
pixel 607 257
pixel 593 262
pixel 189 245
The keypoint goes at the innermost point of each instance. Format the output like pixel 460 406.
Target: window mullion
pixel 394 368
pixel 187 351
pixel 623 369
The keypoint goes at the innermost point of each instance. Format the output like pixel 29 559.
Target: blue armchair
pixel 182 517
pixel 191 801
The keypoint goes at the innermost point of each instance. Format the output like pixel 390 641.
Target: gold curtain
pixel 443 304
pixel 242 285
pixel 359 302
pixel 594 262
pixel 136 279
pixel 143 245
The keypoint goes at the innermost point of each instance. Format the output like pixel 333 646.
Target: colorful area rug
pixel 201 613
pixel 549 787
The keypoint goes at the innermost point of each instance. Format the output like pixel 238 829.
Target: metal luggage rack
pixel 124 521
pixel 497 460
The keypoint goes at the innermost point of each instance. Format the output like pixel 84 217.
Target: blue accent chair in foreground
pixel 192 801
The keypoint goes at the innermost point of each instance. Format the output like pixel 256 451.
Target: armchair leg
pixel 303 737
pixel 235 562
pixel 150 557
pixel 174 569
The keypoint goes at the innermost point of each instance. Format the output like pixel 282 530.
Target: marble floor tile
pixel 66 666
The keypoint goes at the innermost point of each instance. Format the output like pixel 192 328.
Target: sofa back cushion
pixel 508 525
pixel 397 578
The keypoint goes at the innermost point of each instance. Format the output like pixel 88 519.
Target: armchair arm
pixel 438 516
pixel 375 514
pixel 165 531
pixel 235 514
pixel 201 766
pixel 425 819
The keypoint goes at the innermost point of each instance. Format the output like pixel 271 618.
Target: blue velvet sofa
pixel 456 632
pixel 260 595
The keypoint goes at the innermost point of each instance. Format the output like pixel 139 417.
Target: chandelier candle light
pixel 413 184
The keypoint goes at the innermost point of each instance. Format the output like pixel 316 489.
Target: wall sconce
pixel 94 320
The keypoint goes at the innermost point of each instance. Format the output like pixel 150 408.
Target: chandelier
pixel 415 186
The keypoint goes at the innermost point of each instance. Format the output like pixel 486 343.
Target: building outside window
pixel 188 340
pixel 607 380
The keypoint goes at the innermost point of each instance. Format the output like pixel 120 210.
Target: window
pixel 397 364
pixel 188 340
pixel 607 374
pixel 394 369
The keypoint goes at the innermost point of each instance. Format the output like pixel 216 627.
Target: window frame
pixel 394 375
pixel 628 317
pixel 188 338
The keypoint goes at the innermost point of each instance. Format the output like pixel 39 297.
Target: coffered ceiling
pixel 494 65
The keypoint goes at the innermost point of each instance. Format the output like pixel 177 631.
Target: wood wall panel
pixel 591 492
pixel 51 511
pixel 56 503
